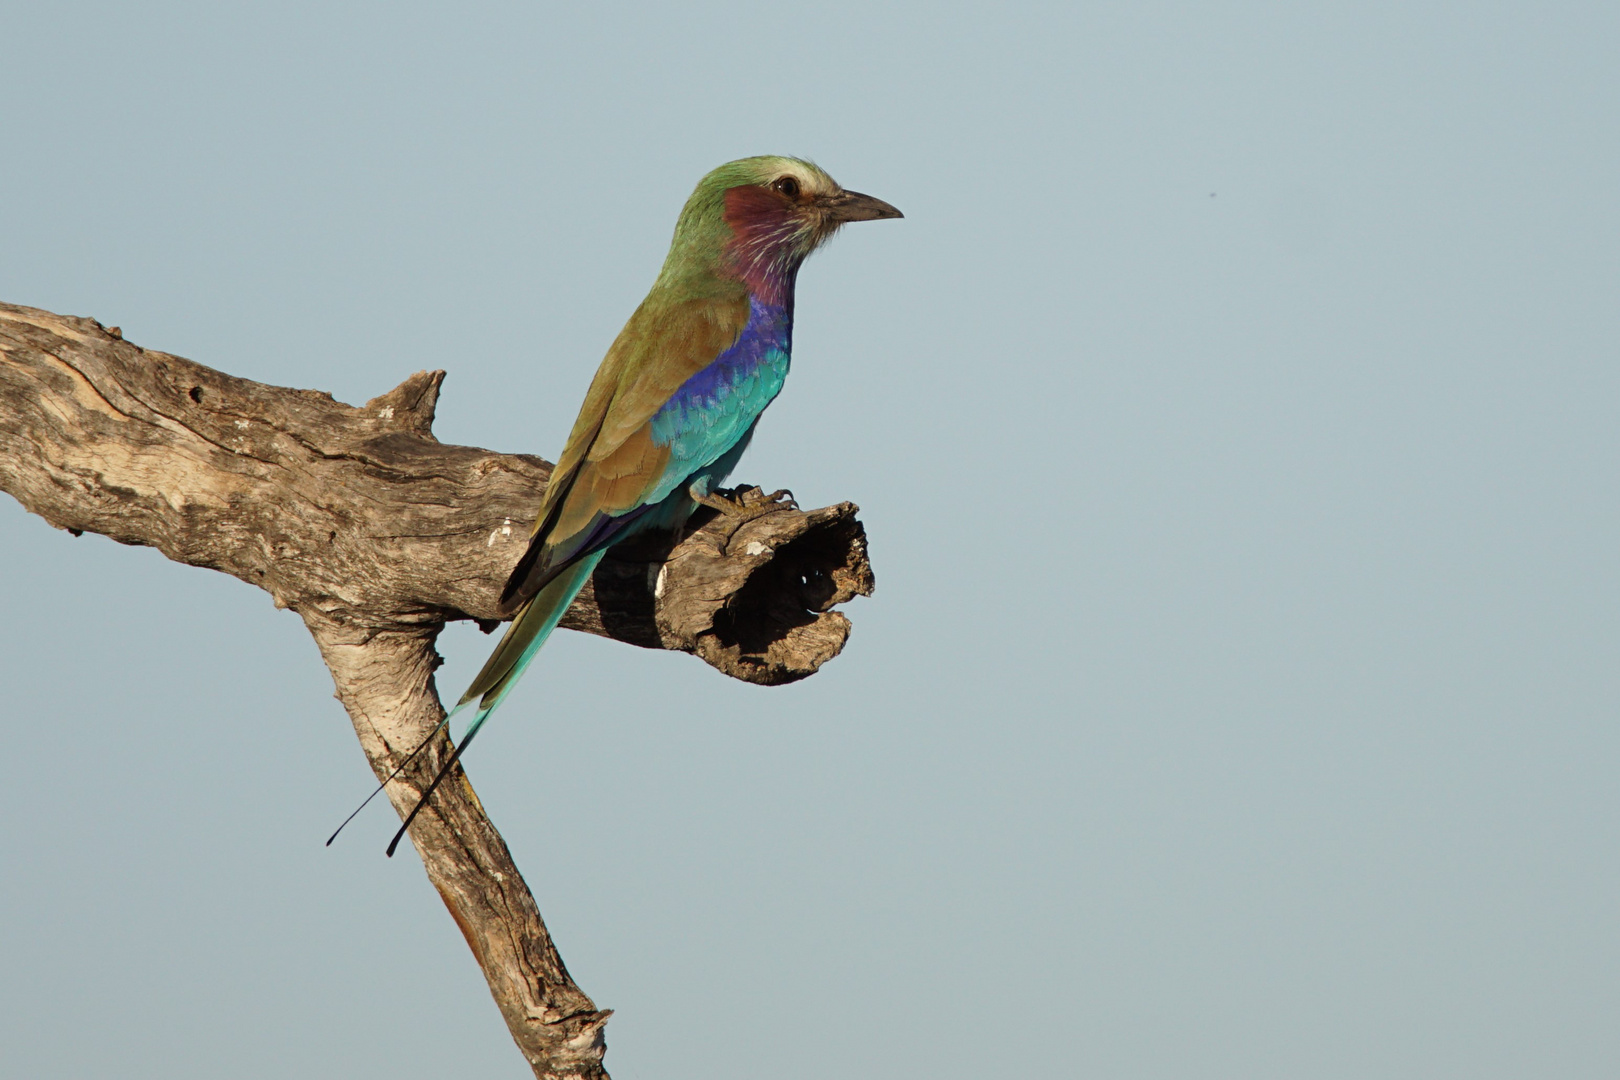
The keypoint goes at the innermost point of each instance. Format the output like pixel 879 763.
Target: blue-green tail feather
pixel 529 630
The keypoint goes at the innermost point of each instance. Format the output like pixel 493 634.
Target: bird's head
pixel 758 219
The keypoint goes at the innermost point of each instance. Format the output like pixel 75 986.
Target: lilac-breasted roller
pixel 675 401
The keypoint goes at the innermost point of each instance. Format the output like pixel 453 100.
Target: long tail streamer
pixel 522 640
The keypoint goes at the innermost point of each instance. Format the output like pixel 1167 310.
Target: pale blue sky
pixel 1233 416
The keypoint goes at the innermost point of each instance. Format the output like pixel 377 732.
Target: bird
pixel 673 404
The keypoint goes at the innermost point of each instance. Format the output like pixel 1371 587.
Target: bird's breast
pixel 715 407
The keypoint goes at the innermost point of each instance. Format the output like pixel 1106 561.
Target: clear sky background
pixel 1234 419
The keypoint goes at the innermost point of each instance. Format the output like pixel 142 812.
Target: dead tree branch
pixel 377 534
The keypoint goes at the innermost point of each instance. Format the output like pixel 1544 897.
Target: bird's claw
pixel 782 499
pixel 746 503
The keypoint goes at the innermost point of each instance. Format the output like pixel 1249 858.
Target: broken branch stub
pixel 754 592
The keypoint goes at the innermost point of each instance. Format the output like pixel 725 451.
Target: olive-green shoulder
pixel 660 348
pixel 665 343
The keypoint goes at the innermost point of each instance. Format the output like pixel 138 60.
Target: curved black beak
pixel 853 206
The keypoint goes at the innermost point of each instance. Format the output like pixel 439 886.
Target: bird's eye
pixel 788 186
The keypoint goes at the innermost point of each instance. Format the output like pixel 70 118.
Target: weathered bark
pixel 377 534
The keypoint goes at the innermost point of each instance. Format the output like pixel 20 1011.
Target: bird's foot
pixel 746 503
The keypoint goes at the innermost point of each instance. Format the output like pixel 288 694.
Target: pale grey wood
pixel 377 534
